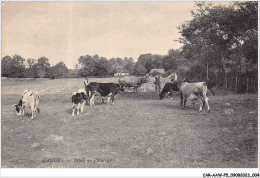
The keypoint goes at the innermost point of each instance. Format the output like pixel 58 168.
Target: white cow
pixel 193 90
pixel 29 99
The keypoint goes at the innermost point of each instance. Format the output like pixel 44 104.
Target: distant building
pixel 118 74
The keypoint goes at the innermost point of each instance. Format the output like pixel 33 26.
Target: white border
pixel 120 172
pixel 123 172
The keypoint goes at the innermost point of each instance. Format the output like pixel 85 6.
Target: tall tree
pixel 216 31
pixel 129 64
pixel 13 66
pixel 30 62
pixel 102 67
pixel 59 70
pixel 86 64
pixel 42 66
pixel 6 66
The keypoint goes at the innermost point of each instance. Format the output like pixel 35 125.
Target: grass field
pixel 138 131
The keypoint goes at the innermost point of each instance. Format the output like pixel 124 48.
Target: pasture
pixel 138 131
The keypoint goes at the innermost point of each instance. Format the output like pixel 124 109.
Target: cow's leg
pixel 92 100
pixel 181 97
pixel 73 108
pixel 103 99
pixel 37 104
pixel 201 103
pixel 184 101
pixel 78 107
pixel 32 115
pixel 38 109
pixel 108 98
pixel 170 93
pixel 89 97
pixel 23 110
pixel 113 95
pixel 33 111
pixel 82 105
pixel 207 103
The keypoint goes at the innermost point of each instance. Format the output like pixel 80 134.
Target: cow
pixel 192 91
pixel 29 99
pixel 104 89
pixel 168 88
pixel 78 99
pixel 133 81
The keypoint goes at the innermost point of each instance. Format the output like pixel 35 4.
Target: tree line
pixel 101 66
pixel 219 44
pixel 18 67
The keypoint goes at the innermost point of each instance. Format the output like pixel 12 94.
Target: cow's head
pixel 119 88
pixel 18 108
pixel 161 95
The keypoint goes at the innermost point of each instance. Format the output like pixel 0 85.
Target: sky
pixel 64 31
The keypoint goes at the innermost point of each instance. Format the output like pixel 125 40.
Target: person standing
pixel 157 83
pixel 85 81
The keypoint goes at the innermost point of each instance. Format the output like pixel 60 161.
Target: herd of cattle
pixel 187 90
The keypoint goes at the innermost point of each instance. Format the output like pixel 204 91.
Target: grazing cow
pixel 168 88
pixel 133 81
pixel 78 98
pixel 191 91
pixel 29 99
pixel 104 89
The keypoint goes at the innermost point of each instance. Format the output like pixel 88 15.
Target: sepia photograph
pixel 117 84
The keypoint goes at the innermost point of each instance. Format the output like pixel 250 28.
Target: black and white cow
pixel 104 89
pixel 168 88
pixel 78 99
pixel 30 99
